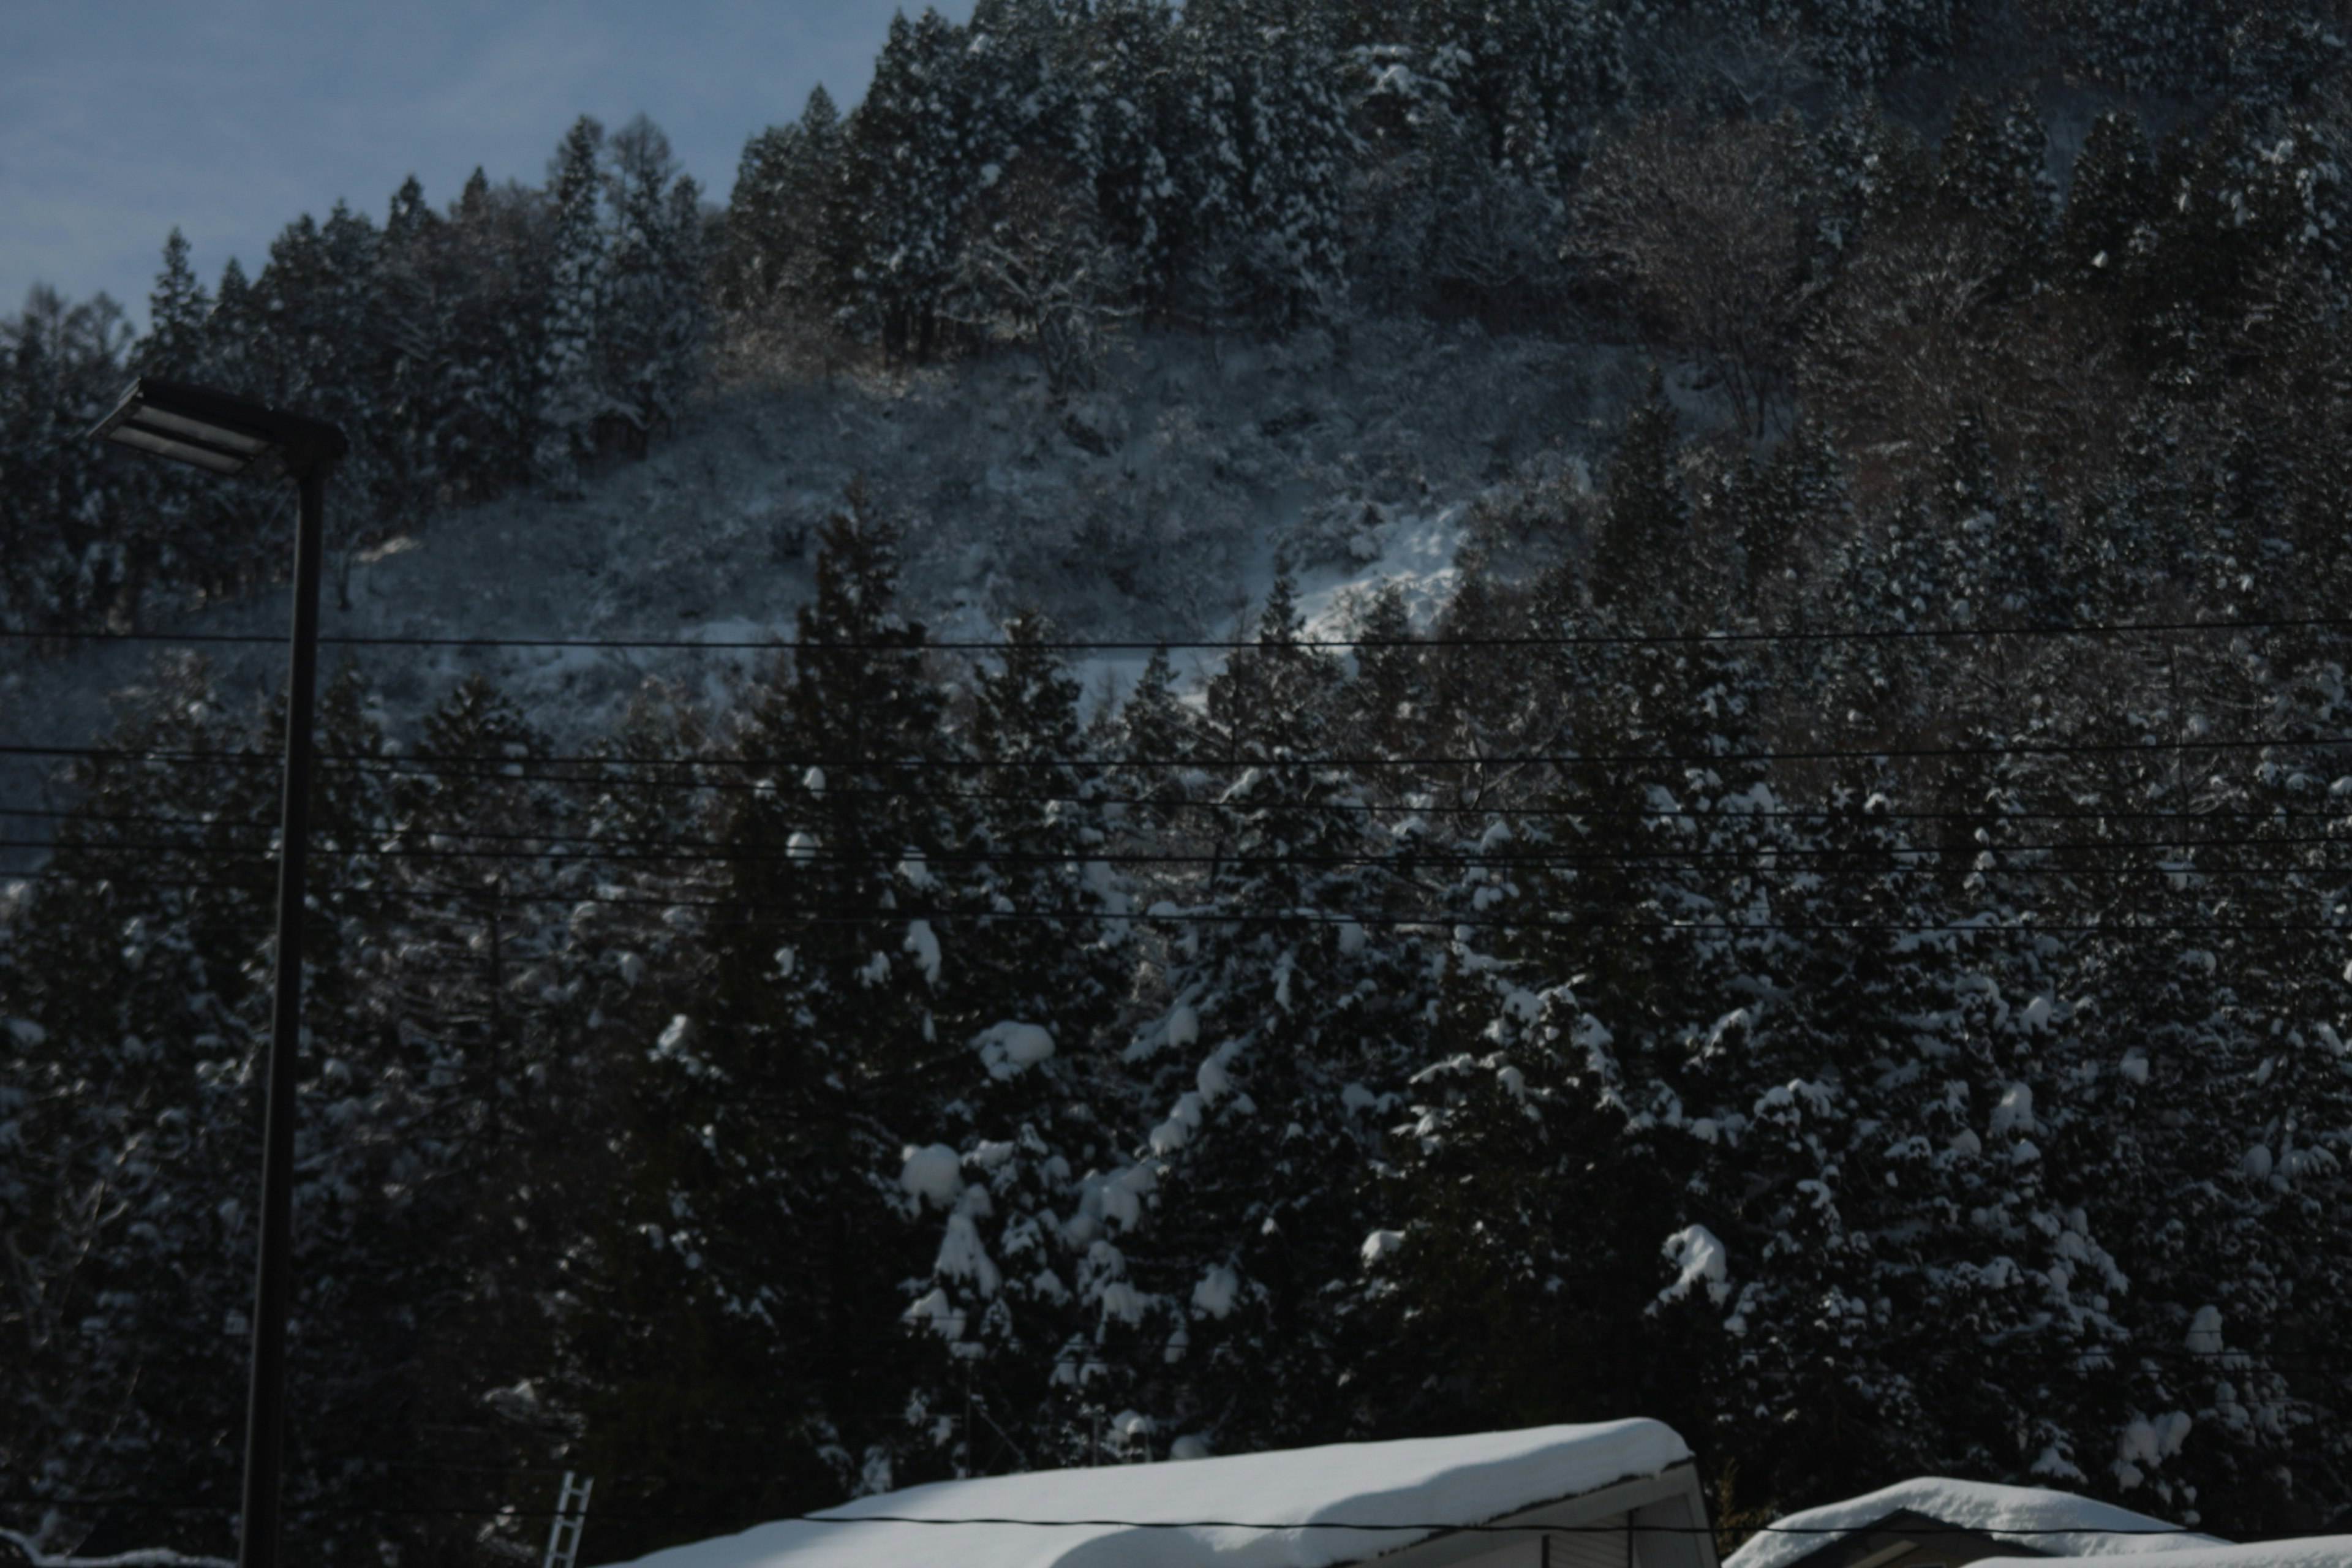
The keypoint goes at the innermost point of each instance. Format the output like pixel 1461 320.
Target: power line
pixel 1927 857
pixel 1433 920
pixel 511 772
pixel 2205 816
pixel 913 643
pixel 429 767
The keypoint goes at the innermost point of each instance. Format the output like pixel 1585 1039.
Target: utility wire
pixel 1403 809
pixel 1825 814
pixel 1435 919
pixel 912 643
pixel 517 767
pixel 1928 857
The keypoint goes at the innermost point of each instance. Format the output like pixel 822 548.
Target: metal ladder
pixel 571 1518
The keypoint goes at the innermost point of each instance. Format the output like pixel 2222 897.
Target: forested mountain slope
pixel 1816 915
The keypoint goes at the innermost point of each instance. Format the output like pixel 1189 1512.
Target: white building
pixel 1622 1494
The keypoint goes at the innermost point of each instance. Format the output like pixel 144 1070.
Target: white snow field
pixel 2020 1515
pixel 2306 1551
pixel 1446 1481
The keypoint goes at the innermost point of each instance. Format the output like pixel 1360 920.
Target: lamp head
pixel 217 431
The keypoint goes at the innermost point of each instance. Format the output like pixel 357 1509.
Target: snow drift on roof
pixel 2308 1552
pixel 2015 1514
pixel 1432 1480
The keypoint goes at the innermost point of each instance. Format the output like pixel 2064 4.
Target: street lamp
pixel 229 434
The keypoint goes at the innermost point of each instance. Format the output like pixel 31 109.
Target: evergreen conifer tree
pixel 1296 1009
pixel 779 251
pixel 1124 132
pixel 1266 132
pixel 176 309
pixel 1638 550
pixel 2109 203
pixel 1034 1104
pixel 780 1215
pixel 568 398
pixel 1990 168
pixel 907 173
pixel 649 340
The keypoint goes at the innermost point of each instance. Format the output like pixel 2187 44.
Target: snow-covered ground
pixel 1435 1481
pixel 2053 1522
pixel 1156 507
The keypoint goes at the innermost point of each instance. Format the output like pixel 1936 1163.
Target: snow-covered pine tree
pixel 1991 167
pixel 1125 133
pixel 1965 500
pixel 781 251
pixel 167 507
pixel 1799 499
pixel 1018 93
pixel 1265 134
pixel 1519 1225
pixel 1152 736
pixel 63 563
pixel 1892 571
pixel 573 284
pixel 1638 552
pixel 1292 1006
pixel 311 342
pixel 467 1026
pixel 416 295
pixel 772 1225
pixel 1385 707
pixel 907 170
pixel 2151 45
pixel 1603 939
pixel 485 429
pixel 177 308
pixel 232 332
pixel 2110 201
pixel 405 1222
pixel 127 1096
pixel 1833 1125
pixel 650 336
pixel 2137 531
pixel 1530 81
pixel 2227 210
pixel 1033 1110
pixel 2194 988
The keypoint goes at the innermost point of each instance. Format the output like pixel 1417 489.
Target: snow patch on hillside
pixel 1159 507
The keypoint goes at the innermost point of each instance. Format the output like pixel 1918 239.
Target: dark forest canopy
pixel 1910 1042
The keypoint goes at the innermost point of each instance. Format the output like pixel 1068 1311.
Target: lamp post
pixel 226 434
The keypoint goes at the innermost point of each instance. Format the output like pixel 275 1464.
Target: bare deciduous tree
pixel 1709 229
pixel 1034 268
pixel 1914 329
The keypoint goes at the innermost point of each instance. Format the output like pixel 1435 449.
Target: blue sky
pixel 121 118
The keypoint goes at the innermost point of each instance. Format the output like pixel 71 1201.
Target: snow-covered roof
pixel 2306 1552
pixel 1431 1480
pixel 2020 1515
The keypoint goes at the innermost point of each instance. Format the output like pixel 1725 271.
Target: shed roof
pixel 2304 1552
pixel 2025 1517
pixel 1165 1515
